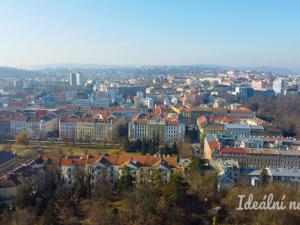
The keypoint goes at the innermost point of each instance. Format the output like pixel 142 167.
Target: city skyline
pixel 247 34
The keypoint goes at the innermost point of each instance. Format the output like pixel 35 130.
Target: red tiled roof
pixel 78 160
pixel 242 110
pixel 116 159
pixel 214 144
pixel 17 105
pixel 233 150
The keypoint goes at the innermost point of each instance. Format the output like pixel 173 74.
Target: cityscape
pixel 153 143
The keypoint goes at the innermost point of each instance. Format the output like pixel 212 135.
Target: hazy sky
pixel 241 32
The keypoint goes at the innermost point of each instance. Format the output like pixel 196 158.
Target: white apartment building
pixel 279 86
pixel 168 130
pixel 86 129
pixel 35 127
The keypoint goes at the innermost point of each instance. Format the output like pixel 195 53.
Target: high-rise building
pixel 279 86
pixel 18 84
pixel 72 79
pixel 78 79
pixel 75 79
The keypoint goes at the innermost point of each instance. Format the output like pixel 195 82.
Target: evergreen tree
pixel 156 179
pixel 126 180
pixel 176 190
pixel 174 148
pixel 125 145
pixel 264 176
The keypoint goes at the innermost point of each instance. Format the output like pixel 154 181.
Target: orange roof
pixel 224 119
pixel 214 144
pixel 119 159
pixel 116 159
pixel 242 110
pixel 77 160
pixel 141 121
pixel 233 150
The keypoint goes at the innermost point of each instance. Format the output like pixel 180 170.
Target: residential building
pixel 211 145
pixel 279 86
pixel 191 114
pixel 259 158
pixel 86 129
pixel 110 166
pixel 168 129
pixel 237 129
pixel 34 126
pixel 279 175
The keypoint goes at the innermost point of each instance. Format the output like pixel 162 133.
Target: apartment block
pixel 168 130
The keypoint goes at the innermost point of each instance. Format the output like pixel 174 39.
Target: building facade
pixel 167 130
pixel 86 129
pixel 109 167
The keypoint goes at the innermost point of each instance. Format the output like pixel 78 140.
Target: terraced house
pixel 110 166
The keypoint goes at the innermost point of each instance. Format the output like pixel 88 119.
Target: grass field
pixel 54 148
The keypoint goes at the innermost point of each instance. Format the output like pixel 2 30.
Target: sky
pixel 152 32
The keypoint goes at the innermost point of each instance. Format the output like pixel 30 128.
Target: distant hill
pixel 69 66
pixel 267 69
pixel 280 70
pixel 77 66
pixel 40 69
pixel 13 72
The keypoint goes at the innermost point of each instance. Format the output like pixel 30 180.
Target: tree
pixel 175 190
pixel 22 138
pixel 23 216
pixel 148 196
pixel 81 184
pixel 174 148
pixel 283 111
pixel 126 180
pixel 204 185
pixel 185 149
pixel 125 145
pixel 24 196
pixel 99 214
pixel 51 215
pixel 103 189
pixel 118 131
pixel 41 205
pixel 156 180
pixel 131 205
pixel 264 177
pixel 144 146
pixel 197 166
